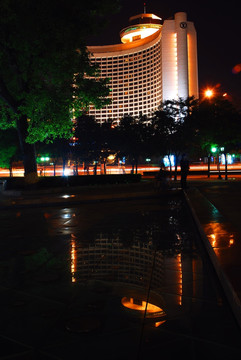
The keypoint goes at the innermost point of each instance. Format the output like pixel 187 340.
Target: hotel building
pixel 155 62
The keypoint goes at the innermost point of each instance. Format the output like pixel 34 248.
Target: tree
pixel 171 126
pixel 87 144
pixel 131 138
pixel 8 148
pixel 46 77
pixel 217 123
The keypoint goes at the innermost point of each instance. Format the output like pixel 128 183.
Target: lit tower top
pixel 141 26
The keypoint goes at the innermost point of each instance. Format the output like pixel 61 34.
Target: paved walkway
pixel 216 207
pixel 77 195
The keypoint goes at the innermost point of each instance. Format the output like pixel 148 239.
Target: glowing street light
pixel 209 93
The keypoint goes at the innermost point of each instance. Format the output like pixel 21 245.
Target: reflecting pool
pixel 121 280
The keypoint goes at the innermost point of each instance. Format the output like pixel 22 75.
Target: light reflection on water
pixel 146 253
pixel 112 271
pixel 219 235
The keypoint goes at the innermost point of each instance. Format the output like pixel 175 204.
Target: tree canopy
pixel 46 77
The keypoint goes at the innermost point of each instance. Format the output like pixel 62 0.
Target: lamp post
pixel 43 160
pixel 214 150
pixel 223 150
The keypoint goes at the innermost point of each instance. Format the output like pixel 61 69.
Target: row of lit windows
pixel 124 59
pixel 151 96
pixel 141 72
pixel 131 69
pixel 130 104
pixel 146 61
pixel 129 96
pixel 137 84
pixel 133 56
pixel 130 66
pixel 125 110
pixel 131 77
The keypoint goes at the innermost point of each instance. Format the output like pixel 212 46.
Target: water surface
pixel 125 279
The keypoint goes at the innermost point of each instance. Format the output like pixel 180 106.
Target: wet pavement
pixel 217 207
pixel 113 279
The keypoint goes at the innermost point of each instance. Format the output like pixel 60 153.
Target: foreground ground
pixel 68 260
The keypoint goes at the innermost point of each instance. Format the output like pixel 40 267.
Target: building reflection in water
pixel 137 266
pixel 73 255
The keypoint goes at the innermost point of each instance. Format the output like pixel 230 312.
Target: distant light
pixel 111 157
pixel 44 158
pixel 229 159
pixel 168 159
pixel 66 172
pixel 213 149
pixel 236 69
pixel 209 93
pixel 67 196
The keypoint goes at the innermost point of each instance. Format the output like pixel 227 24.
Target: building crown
pixel 141 26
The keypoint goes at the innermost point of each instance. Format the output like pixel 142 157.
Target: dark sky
pixel 218 32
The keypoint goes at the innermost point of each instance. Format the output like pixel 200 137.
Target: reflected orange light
pixel 152 310
pixel 158 323
pixel 131 303
pixel 219 236
pixel 179 260
pixel 73 258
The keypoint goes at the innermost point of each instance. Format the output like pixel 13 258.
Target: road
pixel 48 170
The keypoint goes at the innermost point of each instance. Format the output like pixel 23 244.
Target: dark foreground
pixel 75 280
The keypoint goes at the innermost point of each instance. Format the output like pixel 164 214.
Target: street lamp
pixel 209 93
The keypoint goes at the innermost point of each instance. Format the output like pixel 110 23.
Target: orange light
pixel 236 69
pixel 141 305
pixel 209 93
pixel 73 258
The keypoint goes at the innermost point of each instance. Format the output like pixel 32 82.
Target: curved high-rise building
pixel 155 62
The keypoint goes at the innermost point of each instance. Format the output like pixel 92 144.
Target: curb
pixel 78 202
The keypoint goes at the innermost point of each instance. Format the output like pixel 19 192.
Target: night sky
pixel 218 32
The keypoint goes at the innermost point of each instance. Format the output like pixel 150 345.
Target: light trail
pixel 48 170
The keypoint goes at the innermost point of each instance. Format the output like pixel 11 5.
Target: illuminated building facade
pixel 155 62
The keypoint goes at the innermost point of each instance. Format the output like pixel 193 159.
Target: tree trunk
pixel 64 164
pixel 226 167
pixel 175 173
pixel 218 167
pixel 132 167
pixel 170 165
pixel 136 165
pixel 28 152
pixel 10 169
pixel 209 161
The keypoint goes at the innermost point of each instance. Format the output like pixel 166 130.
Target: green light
pixel 213 149
pixel 44 158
